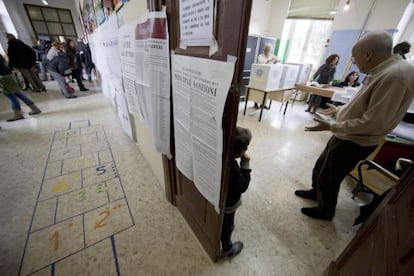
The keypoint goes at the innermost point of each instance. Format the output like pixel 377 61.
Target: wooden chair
pixel 377 174
pixel 376 179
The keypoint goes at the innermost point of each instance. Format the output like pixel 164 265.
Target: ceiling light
pixel 346 7
pixel 45 2
pixel 332 12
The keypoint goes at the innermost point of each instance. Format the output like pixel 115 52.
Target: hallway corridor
pixel 78 198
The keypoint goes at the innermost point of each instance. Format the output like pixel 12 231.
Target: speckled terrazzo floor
pixel 278 239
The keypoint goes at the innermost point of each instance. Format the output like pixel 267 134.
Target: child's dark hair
pixel 241 140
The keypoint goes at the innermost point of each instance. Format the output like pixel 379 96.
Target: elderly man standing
pixel 362 123
pixel 22 57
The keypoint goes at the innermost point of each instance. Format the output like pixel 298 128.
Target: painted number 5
pixel 100 170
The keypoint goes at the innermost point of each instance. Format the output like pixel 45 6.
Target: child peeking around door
pixel 238 184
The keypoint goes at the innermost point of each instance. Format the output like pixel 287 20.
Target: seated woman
pixel 350 80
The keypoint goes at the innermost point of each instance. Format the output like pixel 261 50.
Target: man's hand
pixel 322 125
pixel 330 110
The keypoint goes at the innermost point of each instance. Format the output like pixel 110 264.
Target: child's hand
pixel 245 157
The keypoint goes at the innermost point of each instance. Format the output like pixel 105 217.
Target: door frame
pixel 229 42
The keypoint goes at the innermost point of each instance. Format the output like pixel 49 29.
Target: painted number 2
pixel 106 213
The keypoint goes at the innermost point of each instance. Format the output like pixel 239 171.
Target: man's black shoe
pixel 314 212
pixel 308 194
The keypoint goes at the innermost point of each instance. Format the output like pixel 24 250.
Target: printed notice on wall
pixel 127 49
pixel 200 88
pixel 153 76
pixel 196 23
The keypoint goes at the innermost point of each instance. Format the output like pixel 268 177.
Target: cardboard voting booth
pixel 277 76
pixel 303 77
pixel 266 76
pixel 304 72
pixel 289 76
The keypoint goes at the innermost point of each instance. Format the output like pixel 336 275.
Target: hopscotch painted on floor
pixel 81 200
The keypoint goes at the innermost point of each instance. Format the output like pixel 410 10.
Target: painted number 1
pixel 55 238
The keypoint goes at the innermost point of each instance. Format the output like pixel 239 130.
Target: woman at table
pixel 350 80
pixel 324 75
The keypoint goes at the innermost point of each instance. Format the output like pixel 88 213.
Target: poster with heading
pixel 152 60
pixel 127 49
pixel 200 88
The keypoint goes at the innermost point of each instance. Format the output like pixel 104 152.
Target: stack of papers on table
pixel 343 95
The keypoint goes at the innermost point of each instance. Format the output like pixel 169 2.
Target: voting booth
pixel 302 78
pixel 266 76
pixel 304 72
pixel 289 76
pixel 273 76
pixel 271 82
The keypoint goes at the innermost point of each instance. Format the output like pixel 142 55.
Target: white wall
pixel 385 14
pixel 279 12
pixel 267 17
pixel 259 18
pixel 131 11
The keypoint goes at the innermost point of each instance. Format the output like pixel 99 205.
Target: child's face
pixel 240 154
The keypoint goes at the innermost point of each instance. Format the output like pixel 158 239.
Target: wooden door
pixel 231 28
pixel 385 243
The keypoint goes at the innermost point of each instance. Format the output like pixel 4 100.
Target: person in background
pixel 11 89
pixel 22 57
pixel 76 63
pixel 53 51
pixel 80 51
pixel 57 67
pixel 361 124
pixel 47 47
pixel 402 49
pixel 40 56
pixel 351 80
pixel 267 57
pixel 324 75
pixel 238 183
pixel 89 65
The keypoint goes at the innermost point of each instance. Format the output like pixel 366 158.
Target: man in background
pixel 23 57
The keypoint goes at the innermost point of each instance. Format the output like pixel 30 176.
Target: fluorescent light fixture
pixel 45 2
pixel 332 12
pixel 346 7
